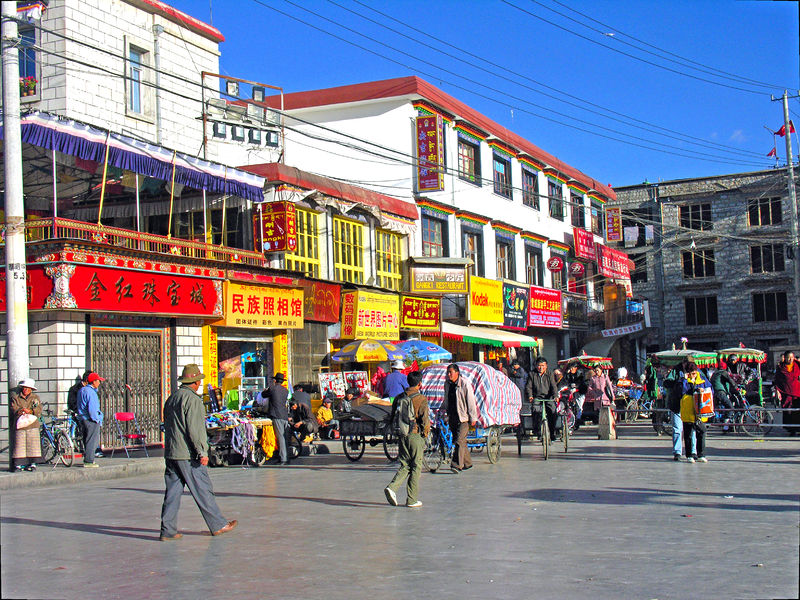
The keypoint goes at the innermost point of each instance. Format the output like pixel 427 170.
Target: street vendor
pixel 301 419
pixel 396 382
pixel 328 426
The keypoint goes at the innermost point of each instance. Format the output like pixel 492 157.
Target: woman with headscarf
pixel 26 408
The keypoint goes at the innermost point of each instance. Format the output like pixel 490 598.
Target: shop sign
pixel 555 263
pixel 321 300
pixel 438 280
pixel 210 355
pixel 430 154
pixel 263 307
pixel 420 314
pixel 576 269
pixel 485 301
pixel 515 306
pixel 574 312
pixel 613 223
pixel 625 330
pixel 368 315
pixel 38 285
pixel 612 263
pixel 545 308
pixel 584 244
pixel 277 224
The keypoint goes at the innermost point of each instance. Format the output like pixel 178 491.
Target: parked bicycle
pixel 439 444
pixel 56 443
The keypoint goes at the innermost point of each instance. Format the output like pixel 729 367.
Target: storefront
pixel 309 346
pixel 367 315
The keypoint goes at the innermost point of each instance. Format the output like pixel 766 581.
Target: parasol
pixel 744 354
pixel 672 358
pixel 367 351
pixel 424 351
pixel 588 361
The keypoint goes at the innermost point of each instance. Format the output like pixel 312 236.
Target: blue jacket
pixel 395 384
pixel 89 404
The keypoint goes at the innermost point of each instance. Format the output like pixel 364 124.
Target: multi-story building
pixel 711 258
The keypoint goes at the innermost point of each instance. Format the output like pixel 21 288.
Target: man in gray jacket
pixel 462 413
pixel 186 458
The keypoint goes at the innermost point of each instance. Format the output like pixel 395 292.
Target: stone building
pixel 712 259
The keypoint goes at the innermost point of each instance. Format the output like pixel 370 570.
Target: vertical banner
pixel 280 355
pixel 275 229
pixel 613 224
pixel 584 244
pixel 430 154
pixel 210 356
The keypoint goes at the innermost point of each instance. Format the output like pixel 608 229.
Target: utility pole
pixel 16 272
pixel 793 202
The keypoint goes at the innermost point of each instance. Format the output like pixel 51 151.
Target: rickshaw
pixel 752 419
pixel 585 361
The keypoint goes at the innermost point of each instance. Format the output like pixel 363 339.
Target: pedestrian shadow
pixel 328 501
pixel 658 497
pixel 140 533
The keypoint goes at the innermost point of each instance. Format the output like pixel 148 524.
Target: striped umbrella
pixel 368 351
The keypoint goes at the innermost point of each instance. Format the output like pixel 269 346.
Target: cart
pixel 497 397
pixel 368 424
pixel 222 451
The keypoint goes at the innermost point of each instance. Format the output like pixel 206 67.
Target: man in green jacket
pixel 186 458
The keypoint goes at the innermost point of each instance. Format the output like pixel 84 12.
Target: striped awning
pixel 488 336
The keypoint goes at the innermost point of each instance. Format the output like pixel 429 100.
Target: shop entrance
pixel 133 357
pixel 244 361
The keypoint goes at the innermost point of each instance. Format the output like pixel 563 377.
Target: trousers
pixel 280 426
pixel 411 449
pixel 677 431
pixel 461 457
pixel 91 440
pixel 188 473
pixel 694 438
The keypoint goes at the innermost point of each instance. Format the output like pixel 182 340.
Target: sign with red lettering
pixel 545 308
pixel 430 154
pixel 584 244
pixel 322 301
pixel 612 263
pixel 555 263
pixel 577 269
pixel 38 286
pixel 419 314
pixel 368 315
pixel 263 307
pixel 613 223
pixel 275 228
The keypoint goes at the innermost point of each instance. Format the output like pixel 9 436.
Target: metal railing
pixel 66 229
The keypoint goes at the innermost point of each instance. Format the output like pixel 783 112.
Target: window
pixel 766 259
pixel 698 263
pixel 701 310
pixel 27 57
pixel 578 211
pixel 135 73
pixel 505 258
pixel 472 243
pixel 696 216
pixel 530 189
pixel 434 236
pixel 388 259
pixel 348 250
pixel 502 175
pixel 534 266
pixel 306 258
pixel 764 211
pixel 639 273
pixel 469 161
pixel 556 200
pixel 558 276
pixel 597 218
pixel 770 306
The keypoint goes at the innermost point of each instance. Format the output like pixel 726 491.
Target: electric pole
pixel 793 202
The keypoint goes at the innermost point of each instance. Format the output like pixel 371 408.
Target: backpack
pixel 405 417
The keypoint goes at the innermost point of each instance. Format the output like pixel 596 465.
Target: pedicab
pixel 498 401
pixel 753 419
pixel 585 361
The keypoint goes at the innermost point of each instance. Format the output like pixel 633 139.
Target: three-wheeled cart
pixel 367 424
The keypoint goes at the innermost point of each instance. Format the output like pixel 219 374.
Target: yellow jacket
pixel 324 414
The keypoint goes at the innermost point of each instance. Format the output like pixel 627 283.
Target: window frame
pixel 145 93
pixel 578 210
pixel 555 200
pixel 698 264
pixel 389 259
pixel 777 258
pixel 501 180
pixel 306 258
pixel 710 308
pixel 598 222
pixel 473 176
pixel 534 270
pixel 427 244
pixel 348 253
pixel 530 189
pixel 696 216
pixel 506 269
pixel 639 274
pixel 760 207
pixel 468 233
pixel 29 56
pixel 779 306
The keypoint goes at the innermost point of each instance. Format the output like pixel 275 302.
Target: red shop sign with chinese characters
pixel 278 227
pixel 612 263
pixel 118 290
pixel 584 244
pixel 555 263
pixel 38 287
pixel 419 314
pixel 544 308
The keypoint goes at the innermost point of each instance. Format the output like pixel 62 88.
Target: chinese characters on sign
pixel 515 306
pixel 430 154
pixel 438 280
pixel 613 223
pixel 584 244
pixel 370 315
pixel 623 330
pixel 612 263
pixel 263 307
pixel 545 308
pixel 485 301
pixel 278 227
pixel 419 314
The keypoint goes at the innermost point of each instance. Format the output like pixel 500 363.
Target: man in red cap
pixel 92 418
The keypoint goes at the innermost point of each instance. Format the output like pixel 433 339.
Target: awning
pixel 601 346
pixel 85 142
pixel 487 336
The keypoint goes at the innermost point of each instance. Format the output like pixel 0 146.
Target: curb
pixel 47 475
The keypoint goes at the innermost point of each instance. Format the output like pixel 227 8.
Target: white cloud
pixel 737 136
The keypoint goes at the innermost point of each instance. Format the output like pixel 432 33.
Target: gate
pixel 132 357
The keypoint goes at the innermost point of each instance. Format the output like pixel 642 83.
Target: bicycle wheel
pixel 65 449
pixel 257 458
pixel 391 446
pixel 48 447
pixel 545 437
pixel 433 455
pixel 493 445
pixel 353 446
pixel 631 411
pixel 750 421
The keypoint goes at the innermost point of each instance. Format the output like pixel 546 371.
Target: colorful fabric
pixel 268 441
pixel 498 399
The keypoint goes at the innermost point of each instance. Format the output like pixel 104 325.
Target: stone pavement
pixel 608 519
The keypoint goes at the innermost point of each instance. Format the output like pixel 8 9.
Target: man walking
pixel 396 381
pixel 412 446
pixel 92 418
pixel 542 386
pixel 186 458
pixel 462 413
pixel 278 411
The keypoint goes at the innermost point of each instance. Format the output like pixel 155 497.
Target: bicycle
pixel 565 411
pixel 56 443
pixel 752 420
pixel 439 445
pixel 544 427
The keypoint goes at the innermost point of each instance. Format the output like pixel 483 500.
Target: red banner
pixel 419 314
pixel 321 300
pixel 613 224
pixel 545 308
pixel 612 263
pixel 278 227
pixel 584 244
pixel 430 154
pixel 38 287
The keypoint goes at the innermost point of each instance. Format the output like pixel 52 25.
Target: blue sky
pixel 515 54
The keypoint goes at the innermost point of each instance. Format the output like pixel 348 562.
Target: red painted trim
pixel 182 18
pixel 331 187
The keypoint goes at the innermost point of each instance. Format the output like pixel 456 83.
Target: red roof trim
pixel 331 187
pixel 414 86
pixel 182 18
